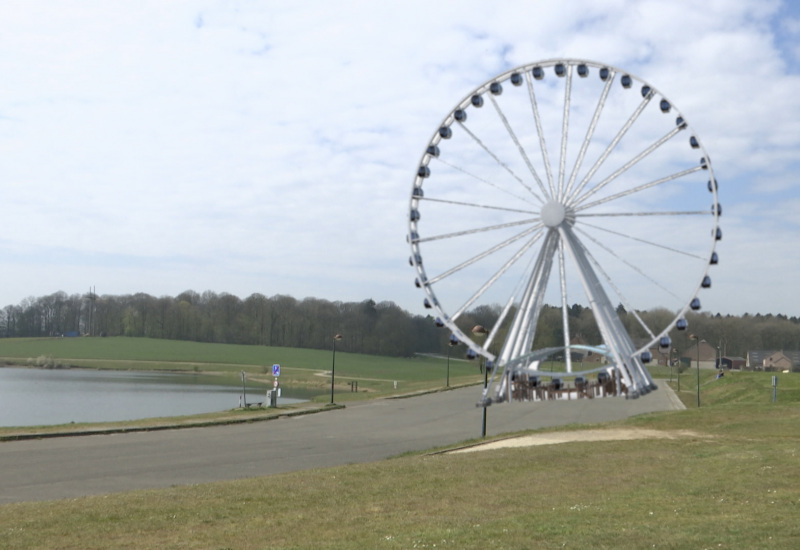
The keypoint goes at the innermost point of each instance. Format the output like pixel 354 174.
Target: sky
pixel 271 146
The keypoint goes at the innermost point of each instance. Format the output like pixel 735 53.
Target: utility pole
pixel 698 341
pixel 92 297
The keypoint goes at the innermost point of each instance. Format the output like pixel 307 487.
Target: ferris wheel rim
pixel 466 103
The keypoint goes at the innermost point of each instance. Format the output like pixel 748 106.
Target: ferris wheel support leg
pixel 635 377
pixel 523 327
pixel 564 307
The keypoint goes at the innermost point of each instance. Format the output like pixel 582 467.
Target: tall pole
pixel 92 298
pixel 697 343
pixel 333 363
pixel 485 384
pixel 671 362
pixel 449 346
pixel 698 374
pixel 479 330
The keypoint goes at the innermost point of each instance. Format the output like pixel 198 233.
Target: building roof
pixel 707 352
pixel 757 356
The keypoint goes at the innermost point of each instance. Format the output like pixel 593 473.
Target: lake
pixel 37 397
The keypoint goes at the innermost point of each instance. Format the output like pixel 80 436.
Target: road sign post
pixel 273 396
pixel 244 391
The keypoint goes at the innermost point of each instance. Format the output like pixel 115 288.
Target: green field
pixel 302 368
pixel 732 480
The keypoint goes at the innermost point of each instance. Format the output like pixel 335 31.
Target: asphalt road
pixel 70 467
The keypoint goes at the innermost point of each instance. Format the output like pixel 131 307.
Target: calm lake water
pixel 36 397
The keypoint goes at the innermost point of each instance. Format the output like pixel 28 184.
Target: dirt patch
pixel 554 438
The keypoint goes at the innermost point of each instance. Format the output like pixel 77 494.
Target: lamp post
pixel 698 341
pixel 333 363
pixel 671 360
pixel 244 392
pixel 479 330
pixel 451 344
pixel 485 384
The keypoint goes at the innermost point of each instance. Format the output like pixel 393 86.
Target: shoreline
pixel 12 433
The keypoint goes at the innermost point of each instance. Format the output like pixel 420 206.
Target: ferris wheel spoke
pixel 590 131
pixel 521 150
pixel 624 261
pixel 499 323
pixel 493 279
pixel 542 142
pixel 489 183
pixel 638 188
pixel 564 133
pixel 642 324
pixel 564 306
pixel 477 230
pixel 497 159
pixel 476 205
pixel 618 214
pixel 623 299
pixel 633 371
pixel 485 253
pixel 628 165
pixel 650 243
pixel 611 146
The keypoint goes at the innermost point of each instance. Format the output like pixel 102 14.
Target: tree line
pixel 367 327
pixel 380 328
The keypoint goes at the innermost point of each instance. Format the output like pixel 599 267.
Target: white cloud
pixel 271 147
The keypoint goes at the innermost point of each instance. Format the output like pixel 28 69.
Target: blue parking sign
pixel 276 370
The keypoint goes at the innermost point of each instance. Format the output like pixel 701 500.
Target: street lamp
pixel 479 330
pixel 451 344
pixel 333 363
pixel 671 361
pixel 698 341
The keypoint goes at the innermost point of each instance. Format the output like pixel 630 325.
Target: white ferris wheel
pixel 556 183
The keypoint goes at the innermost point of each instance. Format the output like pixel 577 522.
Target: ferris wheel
pixel 557 183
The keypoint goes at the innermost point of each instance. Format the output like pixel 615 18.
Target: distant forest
pixel 378 328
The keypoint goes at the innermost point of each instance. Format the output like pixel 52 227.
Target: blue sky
pixel 241 147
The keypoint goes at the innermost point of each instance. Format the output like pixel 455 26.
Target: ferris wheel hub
pixel 553 214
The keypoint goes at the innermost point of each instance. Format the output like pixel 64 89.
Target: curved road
pixel 69 467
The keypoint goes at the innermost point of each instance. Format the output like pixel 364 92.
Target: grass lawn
pixel 734 482
pixel 302 368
